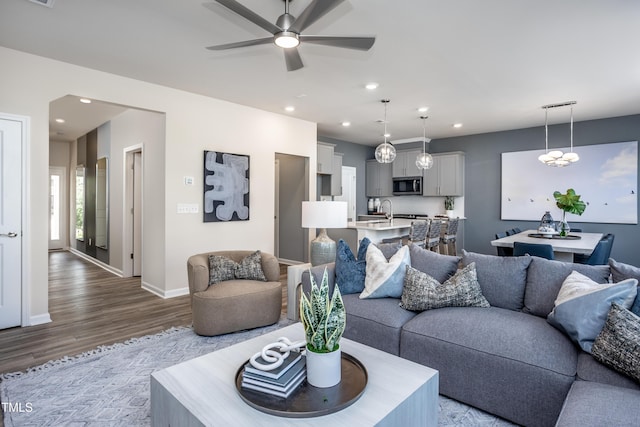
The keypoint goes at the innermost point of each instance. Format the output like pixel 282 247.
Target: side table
pixel 294 276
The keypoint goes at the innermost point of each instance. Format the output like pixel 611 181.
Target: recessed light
pixel 346 124
pixel 290 108
pixel 371 86
pixel 59 120
pixel 85 100
pixel 423 109
pixel 457 125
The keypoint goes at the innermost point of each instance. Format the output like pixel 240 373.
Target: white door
pixel 10 222
pixel 137 214
pixel 58 218
pixel 349 191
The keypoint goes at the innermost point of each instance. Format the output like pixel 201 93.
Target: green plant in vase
pixel 568 202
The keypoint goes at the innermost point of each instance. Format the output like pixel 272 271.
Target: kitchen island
pixel 379 229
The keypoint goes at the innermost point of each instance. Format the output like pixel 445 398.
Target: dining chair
pixel 501 250
pixel 516 230
pixel 575 230
pixel 448 238
pixel 600 254
pixel 433 237
pixel 533 249
pixel 510 232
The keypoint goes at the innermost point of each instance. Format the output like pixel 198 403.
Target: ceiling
pixel 489 64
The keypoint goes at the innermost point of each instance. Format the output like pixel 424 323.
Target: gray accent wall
pixel 483 169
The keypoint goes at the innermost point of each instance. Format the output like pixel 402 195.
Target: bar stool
pixel 418 233
pixel 433 237
pixel 449 236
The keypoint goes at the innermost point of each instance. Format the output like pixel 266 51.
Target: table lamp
pixel 323 215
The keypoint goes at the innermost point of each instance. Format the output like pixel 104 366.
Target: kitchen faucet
pixel 389 216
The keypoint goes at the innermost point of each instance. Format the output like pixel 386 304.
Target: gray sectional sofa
pixel 505 359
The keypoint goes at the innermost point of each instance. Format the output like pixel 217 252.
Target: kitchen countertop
pixel 381 224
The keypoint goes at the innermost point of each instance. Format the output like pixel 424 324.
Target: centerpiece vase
pixel 324 369
pixel 564 225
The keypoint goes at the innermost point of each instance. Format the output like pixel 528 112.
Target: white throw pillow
pixel 385 279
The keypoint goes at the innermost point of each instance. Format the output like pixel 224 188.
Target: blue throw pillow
pixel 582 306
pixel 350 272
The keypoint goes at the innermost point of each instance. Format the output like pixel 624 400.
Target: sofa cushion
pixel 620 272
pixel 545 277
pixel 589 369
pixel 509 371
pixel 618 344
pixel 350 272
pixel 502 279
pixel 593 404
pixel 423 292
pixel 385 279
pixel 375 322
pixel 436 265
pixel 582 305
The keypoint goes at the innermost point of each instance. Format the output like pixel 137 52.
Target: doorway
pixel 292 180
pixel 132 230
pixel 58 224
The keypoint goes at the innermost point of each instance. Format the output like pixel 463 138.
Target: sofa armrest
pixel 198 273
pixel 317 272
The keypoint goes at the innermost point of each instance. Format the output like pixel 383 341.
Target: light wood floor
pixel 90 307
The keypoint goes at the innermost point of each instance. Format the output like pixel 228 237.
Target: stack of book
pixel 281 381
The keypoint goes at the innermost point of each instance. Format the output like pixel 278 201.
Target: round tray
pixel 554 236
pixel 309 401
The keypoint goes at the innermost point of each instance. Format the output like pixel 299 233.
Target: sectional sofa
pixel 506 359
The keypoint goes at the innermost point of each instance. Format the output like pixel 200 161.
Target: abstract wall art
pixel 226 187
pixel 606 178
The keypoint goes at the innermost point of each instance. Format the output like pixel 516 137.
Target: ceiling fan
pixel 287 31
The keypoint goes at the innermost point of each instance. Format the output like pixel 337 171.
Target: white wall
pixel 193 124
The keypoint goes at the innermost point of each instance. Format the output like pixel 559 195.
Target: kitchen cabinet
pixel 379 179
pixel 331 185
pixel 446 177
pixel 405 164
pixel 325 158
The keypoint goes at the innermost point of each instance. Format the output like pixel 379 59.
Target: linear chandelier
pixel 557 158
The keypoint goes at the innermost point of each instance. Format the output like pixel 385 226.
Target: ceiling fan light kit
pixel 287 31
pixel 558 158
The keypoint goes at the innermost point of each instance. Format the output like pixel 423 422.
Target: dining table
pixel 564 247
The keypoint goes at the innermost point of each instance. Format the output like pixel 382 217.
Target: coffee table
pixel 202 391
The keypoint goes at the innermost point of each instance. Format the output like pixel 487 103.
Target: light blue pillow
pixel 385 279
pixel 582 306
pixel 350 272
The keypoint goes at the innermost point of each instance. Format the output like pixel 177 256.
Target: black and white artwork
pixel 226 187
pixel 605 177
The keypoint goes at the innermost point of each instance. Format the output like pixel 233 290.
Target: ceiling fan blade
pixel 358 43
pixel 245 43
pixel 250 15
pixel 316 10
pixel 292 58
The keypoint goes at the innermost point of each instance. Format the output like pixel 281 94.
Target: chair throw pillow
pixel 385 279
pixel 618 344
pixel 620 272
pixel 582 305
pixel 222 268
pixel 351 272
pixel 423 292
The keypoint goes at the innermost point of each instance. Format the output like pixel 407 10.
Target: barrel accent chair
pixel 234 303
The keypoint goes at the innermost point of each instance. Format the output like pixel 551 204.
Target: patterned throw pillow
pixel 250 268
pixel 582 305
pixel 618 344
pixel 385 279
pixel 222 268
pixel 423 292
pixel 350 272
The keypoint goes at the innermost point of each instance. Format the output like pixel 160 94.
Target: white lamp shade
pixel 324 214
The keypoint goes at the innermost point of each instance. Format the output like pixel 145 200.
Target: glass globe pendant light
pixel 424 160
pixel 557 158
pixel 385 152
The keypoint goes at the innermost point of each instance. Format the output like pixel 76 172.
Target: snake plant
pixel 323 318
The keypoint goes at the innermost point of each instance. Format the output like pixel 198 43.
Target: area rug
pixel 109 386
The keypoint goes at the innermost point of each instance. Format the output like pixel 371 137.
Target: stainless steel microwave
pixel 407 186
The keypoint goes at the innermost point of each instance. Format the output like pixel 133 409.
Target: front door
pixel 58 217
pixel 10 222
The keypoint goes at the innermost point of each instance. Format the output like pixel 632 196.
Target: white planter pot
pixel 324 369
pixel 449 213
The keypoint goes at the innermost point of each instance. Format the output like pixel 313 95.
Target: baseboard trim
pixel 97 262
pixel 39 319
pixel 165 294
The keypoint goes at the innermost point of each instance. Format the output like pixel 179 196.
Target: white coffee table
pixel 202 391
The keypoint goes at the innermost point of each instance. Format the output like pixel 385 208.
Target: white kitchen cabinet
pixel 405 164
pixel 379 179
pixel 325 158
pixel 446 177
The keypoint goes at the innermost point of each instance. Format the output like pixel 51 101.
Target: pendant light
pixel 424 159
pixel 385 152
pixel 557 158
